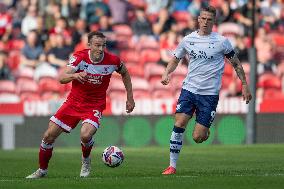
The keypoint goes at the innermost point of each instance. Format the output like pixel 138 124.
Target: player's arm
pixel 70 75
pixel 172 65
pixel 130 104
pixel 234 60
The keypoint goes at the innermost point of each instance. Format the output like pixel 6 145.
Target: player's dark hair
pixel 210 9
pixel 95 33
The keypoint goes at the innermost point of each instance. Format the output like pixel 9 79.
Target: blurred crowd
pixel 38 36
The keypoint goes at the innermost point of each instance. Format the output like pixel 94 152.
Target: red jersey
pixel 93 92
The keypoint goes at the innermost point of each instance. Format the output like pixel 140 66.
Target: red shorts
pixel 69 115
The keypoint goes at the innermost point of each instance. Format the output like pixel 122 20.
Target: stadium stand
pixel 142 53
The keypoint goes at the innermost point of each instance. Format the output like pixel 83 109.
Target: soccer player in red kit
pixel 90 72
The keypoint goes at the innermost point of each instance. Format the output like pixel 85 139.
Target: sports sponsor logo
pixel 72 59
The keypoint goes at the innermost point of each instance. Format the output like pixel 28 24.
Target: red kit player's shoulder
pixel 111 58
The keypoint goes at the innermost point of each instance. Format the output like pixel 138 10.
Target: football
pixel 112 156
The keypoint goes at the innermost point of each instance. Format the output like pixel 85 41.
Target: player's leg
pixel 46 148
pixel 200 133
pixel 63 120
pixel 205 114
pixel 176 140
pixel 184 111
pixel 87 132
pixel 89 128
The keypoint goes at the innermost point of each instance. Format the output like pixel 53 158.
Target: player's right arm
pixel 172 65
pixel 70 71
pixel 70 75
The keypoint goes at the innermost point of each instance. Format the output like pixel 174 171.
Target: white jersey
pixel 206 64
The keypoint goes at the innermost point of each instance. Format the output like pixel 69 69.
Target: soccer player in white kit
pixel 200 89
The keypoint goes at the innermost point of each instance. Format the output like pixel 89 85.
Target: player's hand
pixel 165 79
pixel 81 77
pixel 130 104
pixel 246 93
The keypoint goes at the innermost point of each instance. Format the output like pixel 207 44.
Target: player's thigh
pixel 185 108
pixel 66 117
pixel 206 109
pixel 90 124
pixel 52 132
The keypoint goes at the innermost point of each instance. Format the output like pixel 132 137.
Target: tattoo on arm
pixel 122 70
pixel 239 69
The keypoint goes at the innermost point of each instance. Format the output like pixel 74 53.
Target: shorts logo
pixel 178 107
pixel 213 113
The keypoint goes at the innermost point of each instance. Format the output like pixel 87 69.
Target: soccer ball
pixel 112 156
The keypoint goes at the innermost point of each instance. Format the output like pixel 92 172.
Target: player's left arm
pixel 234 60
pixel 130 104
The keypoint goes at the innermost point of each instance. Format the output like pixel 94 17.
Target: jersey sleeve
pixel 74 61
pixel 227 47
pixel 180 50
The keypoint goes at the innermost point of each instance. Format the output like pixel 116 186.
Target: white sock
pixel 175 145
pixel 44 171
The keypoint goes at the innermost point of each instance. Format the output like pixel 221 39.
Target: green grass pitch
pixel 204 167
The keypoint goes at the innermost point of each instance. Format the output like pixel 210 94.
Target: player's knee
pixel 48 138
pixel 85 137
pixel 181 123
pixel 198 138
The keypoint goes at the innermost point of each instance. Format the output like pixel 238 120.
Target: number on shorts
pixel 97 114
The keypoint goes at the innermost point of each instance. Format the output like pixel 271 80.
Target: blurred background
pixel 38 36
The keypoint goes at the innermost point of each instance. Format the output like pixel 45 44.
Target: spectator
pixel 167 45
pixel 179 5
pixel 154 6
pixel 61 27
pixel 106 27
pixel 42 31
pixel 225 13
pixel 164 22
pixel 44 69
pixel 30 21
pixel 31 51
pixel 141 25
pixel 70 9
pixel 104 24
pixel 83 44
pixel 52 13
pixel 121 16
pixel 5 73
pixel 195 7
pixel 268 13
pixel 5 23
pixel 58 55
pixel 190 27
pixel 265 51
pixel 244 14
pixel 80 29
pixel 241 48
pixel 94 10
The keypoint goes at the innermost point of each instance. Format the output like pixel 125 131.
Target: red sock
pixel 87 148
pixel 45 153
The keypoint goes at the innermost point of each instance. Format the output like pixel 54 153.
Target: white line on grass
pixel 154 177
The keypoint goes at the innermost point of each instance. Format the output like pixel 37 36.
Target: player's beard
pixel 96 56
